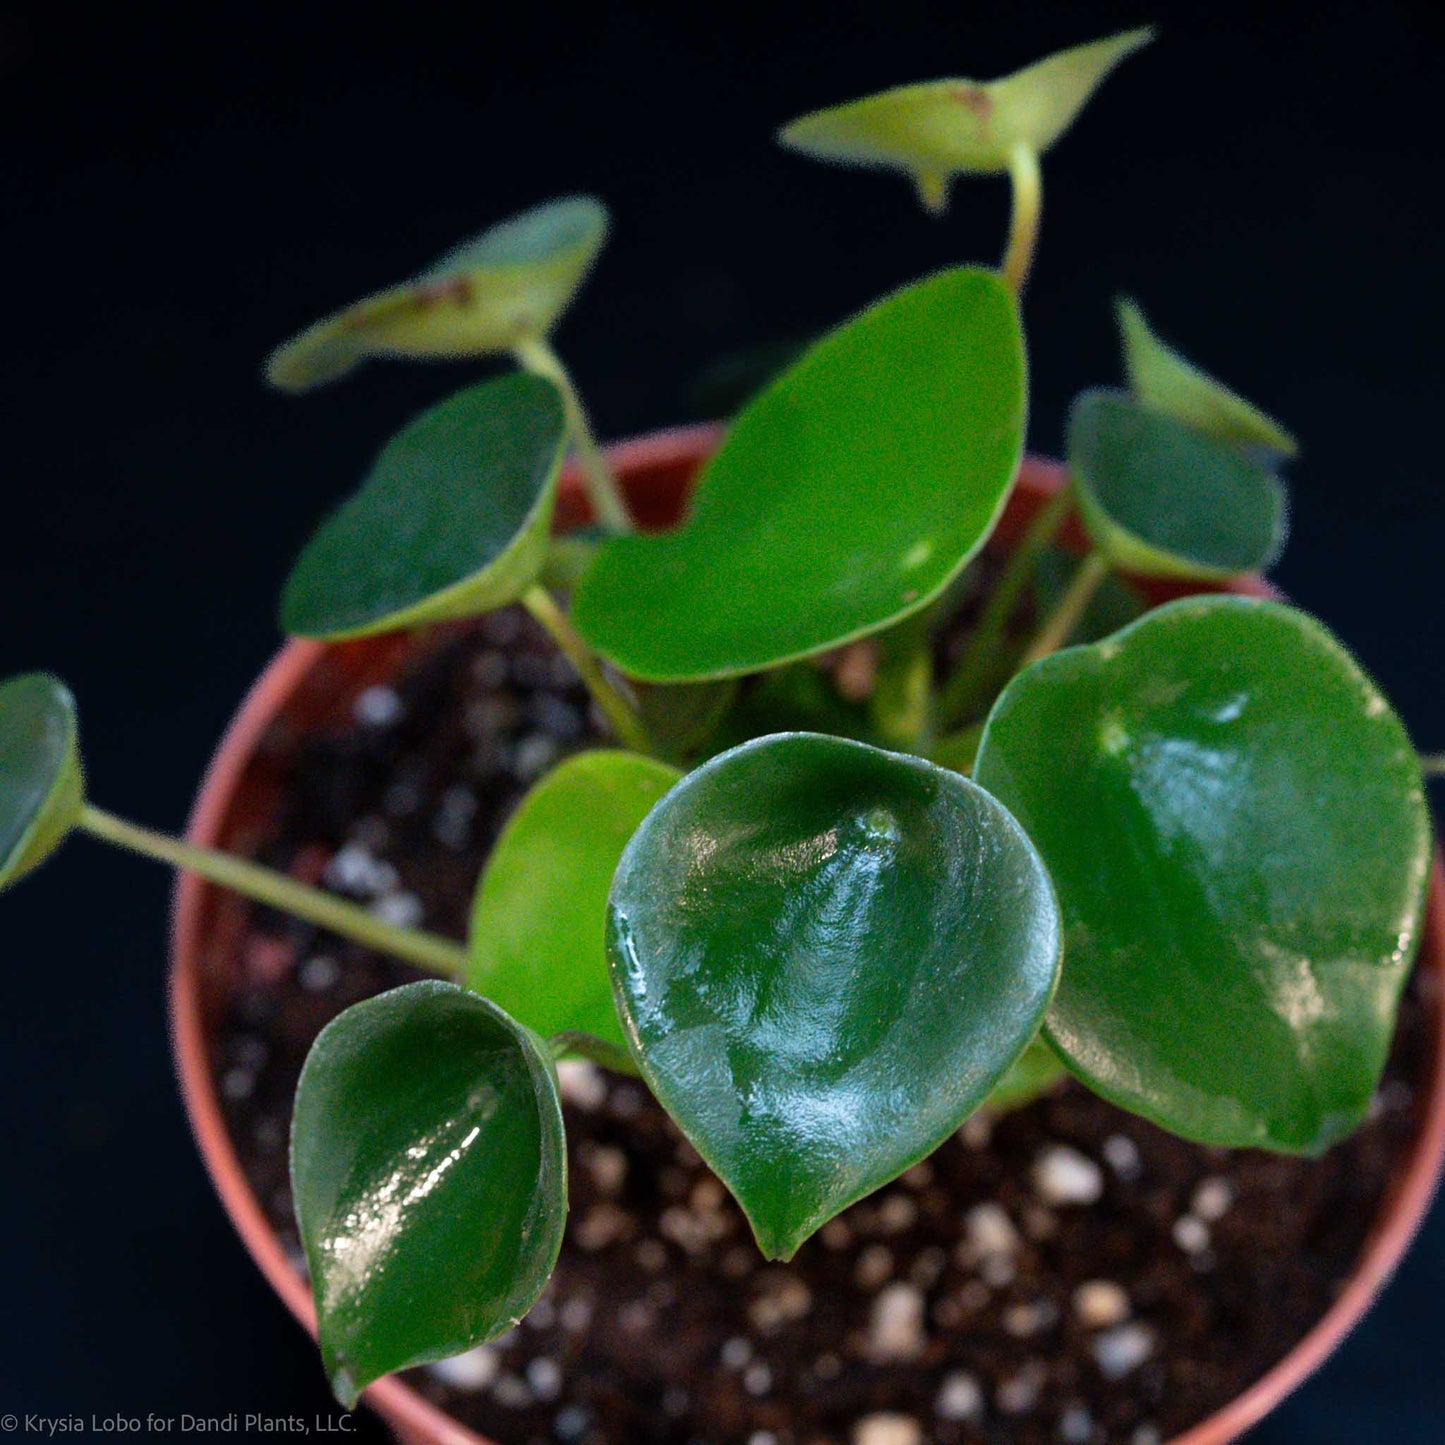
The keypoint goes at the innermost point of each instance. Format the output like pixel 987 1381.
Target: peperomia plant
pixel 826 919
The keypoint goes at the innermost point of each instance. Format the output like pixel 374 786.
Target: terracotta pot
pixel 311 686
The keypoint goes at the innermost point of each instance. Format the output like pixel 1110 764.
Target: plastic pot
pixel 310 686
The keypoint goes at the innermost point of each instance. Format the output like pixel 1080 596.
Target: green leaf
pixel 1160 499
pixel 825 956
pixel 505 286
pixel 1162 380
pixel 42 791
pixel 683 719
pixel 847 496
pixel 1236 825
pixel 1031 1075
pixel 537 938
pixel 430 1179
pixel 568 559
pixel 796 698
pixel 942 128
pixel 452 521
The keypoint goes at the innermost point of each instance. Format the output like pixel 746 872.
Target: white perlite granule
pixel 888 1430
pixel 959 1398
pixel 895 1329
pixel 1064 1176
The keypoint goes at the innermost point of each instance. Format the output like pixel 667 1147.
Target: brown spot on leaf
pixel 457 289
pixel 974 98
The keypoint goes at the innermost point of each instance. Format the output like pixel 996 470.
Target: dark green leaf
pixel 507 286
pixel 430 1179
pixel 1236 825
pixel 537 937
pixel 452 521
pixel 826 956
pixel 798 698
pixel 41 788
pixel 682 718
pixel 1164 381
pixel 1162 500
pixel 845 497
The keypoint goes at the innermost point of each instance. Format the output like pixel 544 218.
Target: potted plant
pixel 835 855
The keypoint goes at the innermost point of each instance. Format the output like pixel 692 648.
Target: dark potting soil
pixel 1065 1273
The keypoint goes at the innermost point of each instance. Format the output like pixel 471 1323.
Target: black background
pixel 179 191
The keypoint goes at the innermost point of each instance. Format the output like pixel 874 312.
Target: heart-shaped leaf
pixel 1236 825
pixel 487 295
pixel 537 941
pixel 430 1179
pixel 1163 500
pixel 941 128
pixel 42 791
pixel 825 956
pixel 845 497
pixel 1164 381
pixel 452 521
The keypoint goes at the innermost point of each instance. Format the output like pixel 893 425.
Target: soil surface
pixel 1064 1274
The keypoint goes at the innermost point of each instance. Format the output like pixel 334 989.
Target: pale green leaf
pixel 486 296
pixel 942 128
pixel 1162 380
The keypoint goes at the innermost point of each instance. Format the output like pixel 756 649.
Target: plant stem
pixel 535 353
pixel 1433 764
pixel 574 1044
pixel 1028 202
pixel 264 885
pixel 1065 617
pixel 965 689
pixel 615 708
pixel 902 703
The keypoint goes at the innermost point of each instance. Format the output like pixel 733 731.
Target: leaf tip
pixel 1129 41
pixel 778 1245
pixel 343 1384
pixel 306 362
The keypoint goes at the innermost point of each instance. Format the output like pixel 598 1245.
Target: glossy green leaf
pixel 1162 500
pixel 537 938
pixel 452 521
pixel 42 791
pixel 942 128
pixel 507 285
pixel 1236 825
pixel 1164 381
pixel 845 497
pixel 430 1179
pixel 825 956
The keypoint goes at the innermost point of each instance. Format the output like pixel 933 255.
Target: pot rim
pixel 1400 1215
